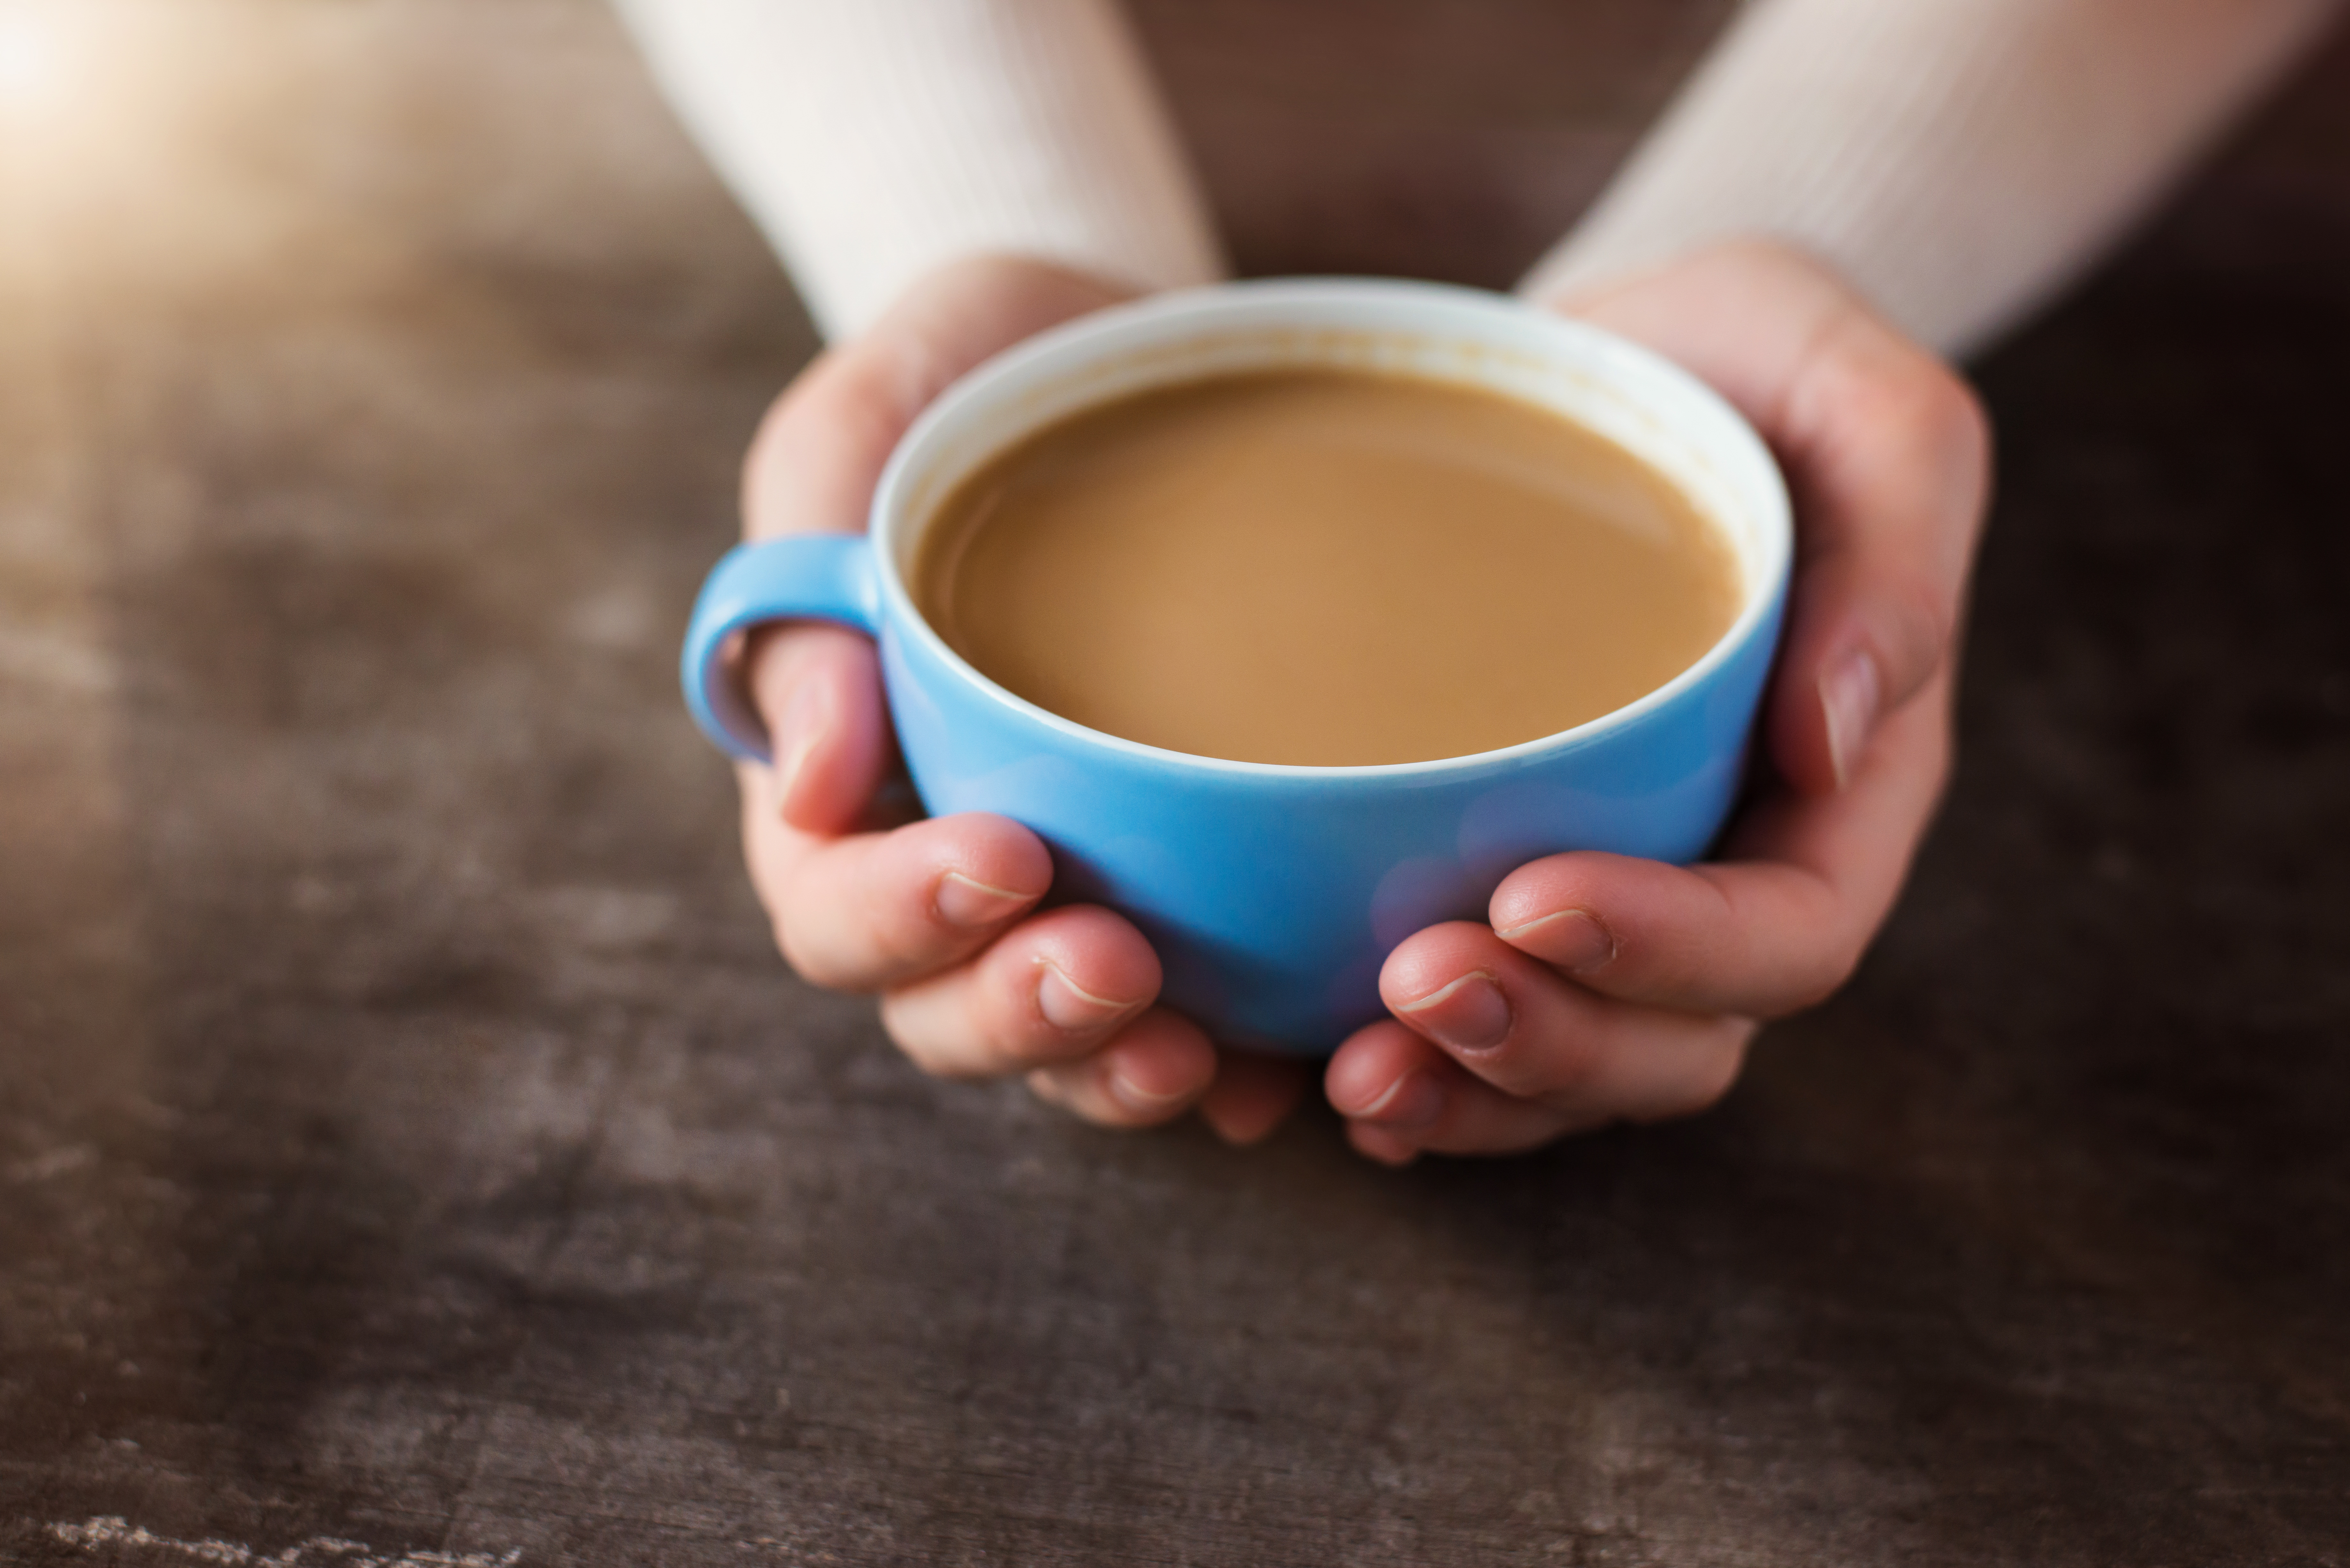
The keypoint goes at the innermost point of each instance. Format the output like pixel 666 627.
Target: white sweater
pixel 1958 160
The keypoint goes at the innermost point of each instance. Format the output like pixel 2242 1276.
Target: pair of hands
pixel 1603 988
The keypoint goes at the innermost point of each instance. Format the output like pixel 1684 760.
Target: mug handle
pixel 818 576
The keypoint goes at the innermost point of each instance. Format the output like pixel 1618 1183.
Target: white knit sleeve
pixel 1960 160
pixel 873 139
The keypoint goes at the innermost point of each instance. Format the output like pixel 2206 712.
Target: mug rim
pixel 1075 340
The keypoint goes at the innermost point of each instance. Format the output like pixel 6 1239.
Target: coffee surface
pixel 1325 568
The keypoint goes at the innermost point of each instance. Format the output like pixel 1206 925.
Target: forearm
pixel 1958 160
pixel 873 141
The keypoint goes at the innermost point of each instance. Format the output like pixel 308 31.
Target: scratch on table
pixel 57 1162
pixel 112 1530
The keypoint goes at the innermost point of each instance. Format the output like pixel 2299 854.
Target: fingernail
pixel 804 721
pixel 970 904
pixel 1848 697
pixel 1469 1014
pixel 1414 1100
pixel 1574 940
pixel 1135 1098
pixel 1066 1005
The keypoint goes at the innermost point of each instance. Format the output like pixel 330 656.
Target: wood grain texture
pixel 409 1143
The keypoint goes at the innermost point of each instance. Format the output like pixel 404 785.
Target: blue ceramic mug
pixel 1273 893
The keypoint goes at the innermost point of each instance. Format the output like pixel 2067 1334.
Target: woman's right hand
pixel 939 916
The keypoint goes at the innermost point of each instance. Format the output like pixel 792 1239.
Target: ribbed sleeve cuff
pixel 1960 160
pixel 873 141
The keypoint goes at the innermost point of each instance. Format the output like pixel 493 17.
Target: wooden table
pixel 409 1143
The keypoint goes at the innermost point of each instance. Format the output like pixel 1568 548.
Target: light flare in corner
pixel 33 59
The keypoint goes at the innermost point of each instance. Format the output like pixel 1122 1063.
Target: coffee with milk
pixel 1327 567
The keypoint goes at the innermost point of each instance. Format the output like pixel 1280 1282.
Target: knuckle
pixel 1708 1085
pixel 1907 396
pixel 915 1028
pixel 1559 1062
pixel 820 963
pixel 812 965
pixel 907 939
pixel 892 1015
pixel 1820 980
pixel 1915 626
pixel 924 1052
pixel 1937 408
pixel 1932 617
pixel 780 930
pixel 1884 394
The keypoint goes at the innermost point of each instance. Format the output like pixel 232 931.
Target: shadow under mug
pixel 1273 893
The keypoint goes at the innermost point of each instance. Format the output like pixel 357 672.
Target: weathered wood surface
pixel 407 1137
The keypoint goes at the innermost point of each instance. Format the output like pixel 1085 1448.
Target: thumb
pixel 1887 457
pixel 819 690
pixel 812 469
pixel 1887 452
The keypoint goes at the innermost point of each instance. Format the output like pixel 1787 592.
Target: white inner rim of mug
pixel 1432 331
